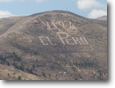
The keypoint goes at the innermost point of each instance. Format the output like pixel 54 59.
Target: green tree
pixel 19 77
pixel 29 70
pixel 8 63
pixel 34 66
pixel 37 65
pixel 8 75
pixel 44 74
pixel 49 75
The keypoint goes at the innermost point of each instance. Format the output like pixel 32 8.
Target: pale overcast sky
pixel 85 8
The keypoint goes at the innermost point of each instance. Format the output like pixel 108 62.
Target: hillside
pixel 6 23
pixel 54 45
pixel 10 73
pixel 104 18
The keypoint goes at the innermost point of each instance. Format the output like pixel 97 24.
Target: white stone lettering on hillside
pixel 65 39
pixel 69 43
pixel 46 24
pixel 56 24
pixel 62 38
pixel 40 37
pixel 76 40
pixel 91 48
pixel 50 41
pixel 86 41
pixel 61 23
pixel 72 26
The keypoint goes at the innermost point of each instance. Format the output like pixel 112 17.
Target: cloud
pixel 88 4
pixel 92 5
pixel 21 0
pixel 97 13
pixel 5 14
pixel 39 0
pixel 11 0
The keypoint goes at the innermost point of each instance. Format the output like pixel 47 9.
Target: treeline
pixel 13 56
pixel 2 58
pixel 16 60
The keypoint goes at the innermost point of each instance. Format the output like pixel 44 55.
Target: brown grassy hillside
pixel 55 45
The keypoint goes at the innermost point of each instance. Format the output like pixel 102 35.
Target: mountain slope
pixel 57 45
pixel 104 18
pixel 10 73
pixel 6 23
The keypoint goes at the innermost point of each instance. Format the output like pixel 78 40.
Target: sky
pixel 86 8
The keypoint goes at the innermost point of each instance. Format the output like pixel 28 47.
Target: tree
pixel 76 79
pixel 8 63
pixel 49 75
pixel 8 75
pixel 37 65
pixel 43 74
pixel 29 70
pixel 19 77
pixel 34 66
pixel 35 53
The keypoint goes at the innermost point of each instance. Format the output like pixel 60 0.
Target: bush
pixel 43 74
pixel 19 77
pixel 8 63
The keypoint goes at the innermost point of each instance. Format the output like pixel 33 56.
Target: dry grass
pixel 22 38
pixel 10 73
